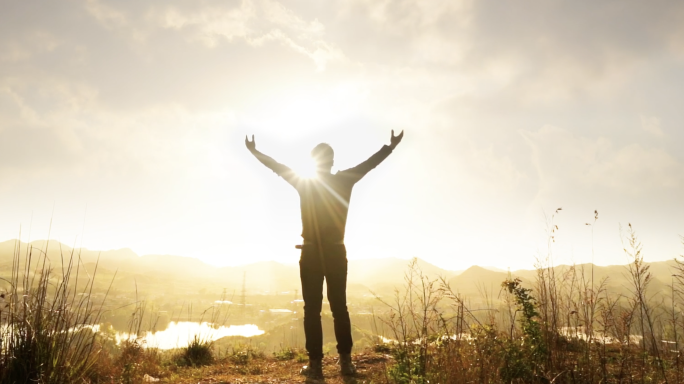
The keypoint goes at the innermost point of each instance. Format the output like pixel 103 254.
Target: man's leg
pixel 336 280
pixel 311 275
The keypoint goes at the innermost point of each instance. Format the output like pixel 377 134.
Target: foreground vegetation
pixel 564 327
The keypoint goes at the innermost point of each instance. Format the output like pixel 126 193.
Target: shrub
pixel 198 352
pixel 285 354
pixel 243 354
pixel 524 359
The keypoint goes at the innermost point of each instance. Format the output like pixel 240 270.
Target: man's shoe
pixel 347 368
pixel 314 370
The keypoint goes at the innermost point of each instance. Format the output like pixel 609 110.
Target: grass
pixel 290 353
pixel 564 327
pixel 198 352
pixel 49 334
pixel 45 332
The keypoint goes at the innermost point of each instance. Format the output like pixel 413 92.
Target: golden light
pixel 305 169
pixel 302 113
pixel 292 121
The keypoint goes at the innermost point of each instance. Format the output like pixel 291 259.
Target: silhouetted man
pixel 324 202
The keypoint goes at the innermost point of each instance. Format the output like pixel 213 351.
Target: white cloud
pixel 255 22
pixel 105 14
pixel 651 124
pixel 568 164
pixel 137 104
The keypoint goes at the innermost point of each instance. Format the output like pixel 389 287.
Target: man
pixel 324 202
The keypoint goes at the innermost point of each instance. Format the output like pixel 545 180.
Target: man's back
pixel 324 199
pixel 324 203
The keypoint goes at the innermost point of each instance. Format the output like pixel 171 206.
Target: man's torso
pixel 324 205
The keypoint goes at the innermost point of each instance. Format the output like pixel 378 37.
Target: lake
pixel 179 334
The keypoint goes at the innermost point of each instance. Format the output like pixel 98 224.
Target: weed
pixel 47 323
pixel 524 358
pixel 241 354
pixel 564 327
pixel 285 354
pixel 198 352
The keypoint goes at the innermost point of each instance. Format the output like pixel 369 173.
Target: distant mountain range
pixel 378 275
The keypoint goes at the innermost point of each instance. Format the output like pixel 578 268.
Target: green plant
pixel 285 354
pixel 408 366
pixel 301 357
pixel 290 353
pixel 524 360
pixel 241 354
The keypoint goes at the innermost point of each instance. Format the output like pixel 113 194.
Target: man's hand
pixel 251 145
pixel 395 140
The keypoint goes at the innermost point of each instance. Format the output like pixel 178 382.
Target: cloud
pixel 544 52
pixel 567 164
pixel 255 22
pixel 141 101
pixel 114 87
pixel 105 14
pixel 651 124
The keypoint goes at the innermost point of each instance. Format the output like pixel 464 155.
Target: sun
pixel 305 169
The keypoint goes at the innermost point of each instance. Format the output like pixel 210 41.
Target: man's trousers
pixel 329 262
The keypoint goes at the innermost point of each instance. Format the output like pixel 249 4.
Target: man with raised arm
pixel 324 202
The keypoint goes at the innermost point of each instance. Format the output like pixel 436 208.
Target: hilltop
pixel 273 369
pixel 155 290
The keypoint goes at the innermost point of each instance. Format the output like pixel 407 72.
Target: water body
pixel 180 334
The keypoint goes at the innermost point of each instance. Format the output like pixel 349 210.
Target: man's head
pixel 323 156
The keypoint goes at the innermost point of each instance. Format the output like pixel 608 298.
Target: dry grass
pixel 565 327
pixel 45 320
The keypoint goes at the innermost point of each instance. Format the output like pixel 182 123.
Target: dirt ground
pixel 371 368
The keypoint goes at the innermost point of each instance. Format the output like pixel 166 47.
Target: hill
pixel 477 281
pixel 270 277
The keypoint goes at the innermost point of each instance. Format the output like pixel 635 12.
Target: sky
pixel 122 125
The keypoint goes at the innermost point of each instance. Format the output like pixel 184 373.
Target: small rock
pixel 149 379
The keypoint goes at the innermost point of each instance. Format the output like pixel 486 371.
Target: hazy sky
pixel 123 122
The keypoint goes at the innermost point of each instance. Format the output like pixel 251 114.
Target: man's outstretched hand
pixel 251 145
pixel 394 141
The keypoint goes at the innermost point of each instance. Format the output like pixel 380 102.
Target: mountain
pixel 266 276
pixel 168 273
pixel 613 278
pixel 388 273
pixel 478 281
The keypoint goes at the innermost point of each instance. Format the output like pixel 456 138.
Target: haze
pixel 122 125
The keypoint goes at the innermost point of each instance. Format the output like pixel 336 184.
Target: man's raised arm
pixel 280 169
pixel 362 169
